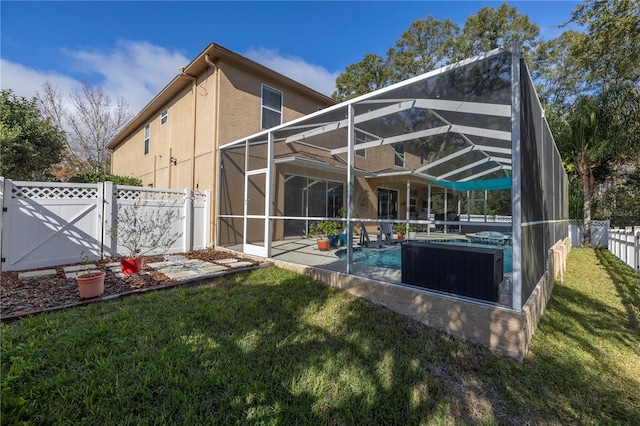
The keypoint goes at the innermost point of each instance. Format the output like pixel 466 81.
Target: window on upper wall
pixel 146 139
pixel 164 117
pixel 361 139
pixel 398 155
pixel 271 107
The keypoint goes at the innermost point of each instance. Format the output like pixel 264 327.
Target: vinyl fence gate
pixel 48 224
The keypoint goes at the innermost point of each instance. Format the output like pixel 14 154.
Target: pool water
pixel 391 257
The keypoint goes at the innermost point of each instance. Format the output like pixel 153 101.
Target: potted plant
pixel 402 229
pixel 343 233
pixel 412 232
pixel 331 229
pixel 141 229
pixel 326 233
pixel 90 283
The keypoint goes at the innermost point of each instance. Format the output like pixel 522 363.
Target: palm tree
pixel 597 129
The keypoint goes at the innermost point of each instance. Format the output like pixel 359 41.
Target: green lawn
pixel 273 347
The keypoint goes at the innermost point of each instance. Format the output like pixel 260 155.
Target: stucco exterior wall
pixel 233 112
pixel 241 102
pixel 227 101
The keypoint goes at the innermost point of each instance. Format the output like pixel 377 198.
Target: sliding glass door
pixel 307 197
pixel 387 203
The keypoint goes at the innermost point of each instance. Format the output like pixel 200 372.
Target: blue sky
pixel 133 49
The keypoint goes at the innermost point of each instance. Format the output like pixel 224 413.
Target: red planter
pixel 131 265
pixel 323 244
pixel 91 284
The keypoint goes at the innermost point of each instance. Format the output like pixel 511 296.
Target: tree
pixel 610 53
pixel 429 43
pixel 426 45
pixel 594 87
pixel 91 120
pixel 560 78
pixel 598 129
pixel 362 77
pixel 491 28
pixel 30 143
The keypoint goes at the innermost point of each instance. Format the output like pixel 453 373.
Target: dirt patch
pixel 31 295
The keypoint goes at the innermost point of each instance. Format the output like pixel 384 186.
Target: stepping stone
pixel 112 265
pixel 198 265
pixel 73 275
pixel 239 264
pixel 75 268
pixel 212 268
pixel 191 262
pixel 174 258
pixel 160 265
pixel 225 261
pixel 36 274
pixel 176 275
pixel 174 269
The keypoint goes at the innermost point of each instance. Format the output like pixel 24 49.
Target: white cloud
pixel 25 81
pixel 311 75
pixel 137 71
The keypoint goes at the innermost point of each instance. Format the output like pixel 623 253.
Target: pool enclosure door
pixel 257 199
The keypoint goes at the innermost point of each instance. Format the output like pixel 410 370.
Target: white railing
pixel 624 243
pixel 485 218
pixel 48 224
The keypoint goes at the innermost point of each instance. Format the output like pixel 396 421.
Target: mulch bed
pixel 20 297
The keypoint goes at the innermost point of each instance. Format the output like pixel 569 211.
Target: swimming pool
pixel 392 257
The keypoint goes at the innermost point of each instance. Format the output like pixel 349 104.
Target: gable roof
pixel 197 67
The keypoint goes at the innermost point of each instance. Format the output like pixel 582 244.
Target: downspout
pixel 215 169
pixel 170 157
pixel 195 111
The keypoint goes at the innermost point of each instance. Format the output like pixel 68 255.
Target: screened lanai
pixel 461 154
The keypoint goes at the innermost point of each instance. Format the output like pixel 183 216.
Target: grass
pixel 272 347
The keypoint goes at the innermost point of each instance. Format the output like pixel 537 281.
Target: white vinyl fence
pixel 624 243
pixel 48 224
pixel 599 233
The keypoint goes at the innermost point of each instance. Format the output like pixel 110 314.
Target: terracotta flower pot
pixel 131 265
pixel 91 284
pixel 323 244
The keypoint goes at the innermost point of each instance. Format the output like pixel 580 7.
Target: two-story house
pixel 217 98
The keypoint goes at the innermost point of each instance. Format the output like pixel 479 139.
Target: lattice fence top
pixel 199 197
pixel 149 195
pixel 54 192
pixel 594 223
pixel 490 218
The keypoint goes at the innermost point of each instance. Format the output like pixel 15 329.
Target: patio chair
pixel 364 238
pixel 386 230
pixel 364 235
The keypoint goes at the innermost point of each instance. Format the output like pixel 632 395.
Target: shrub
pixel 104 177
